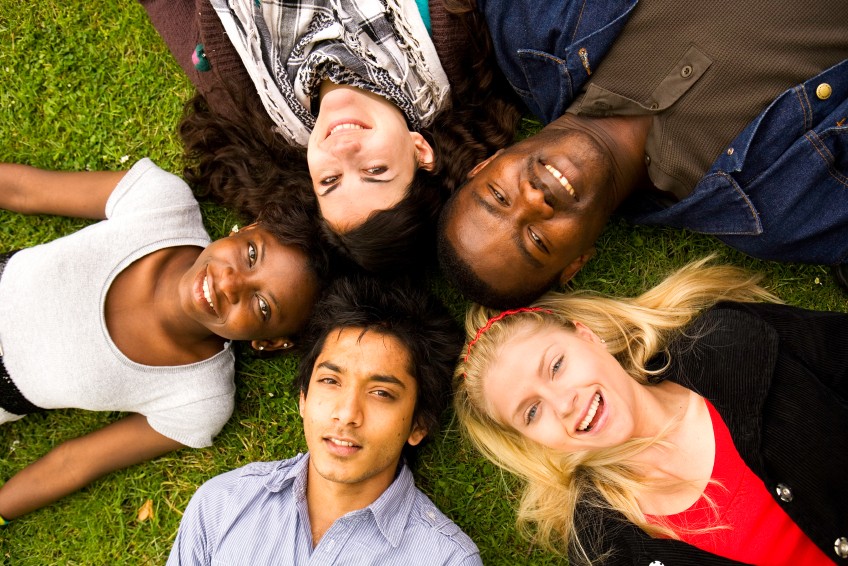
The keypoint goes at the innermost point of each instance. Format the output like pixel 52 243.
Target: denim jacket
pixel 568 40
pixel 780 189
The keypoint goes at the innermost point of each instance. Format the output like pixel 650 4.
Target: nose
pixel 533 200
pixel 345 145
pixel 232 284
pixel 348 409
pixel 566 404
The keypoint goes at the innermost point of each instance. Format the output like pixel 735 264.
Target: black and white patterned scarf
pixel 290 47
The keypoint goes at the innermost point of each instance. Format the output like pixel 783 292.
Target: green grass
pixel 85 85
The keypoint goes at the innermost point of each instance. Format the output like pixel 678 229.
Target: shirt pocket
pixel 549 85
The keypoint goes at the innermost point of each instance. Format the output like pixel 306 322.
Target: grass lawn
pixel 91 86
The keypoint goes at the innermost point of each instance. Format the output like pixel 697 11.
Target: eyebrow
pixel 522 248
pixel 364 179
pixel 329 190
pixel 378 377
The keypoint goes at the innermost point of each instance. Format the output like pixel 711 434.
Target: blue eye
pixel 556 366
pixel 531 414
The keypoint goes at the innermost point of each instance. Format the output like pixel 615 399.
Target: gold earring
pixel 260 348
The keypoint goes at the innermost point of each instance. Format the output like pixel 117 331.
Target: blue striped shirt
pixel 258 515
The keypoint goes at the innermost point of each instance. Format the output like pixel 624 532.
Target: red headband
pixel 495 319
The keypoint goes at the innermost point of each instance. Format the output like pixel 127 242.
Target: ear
pixel 572 268
pixel 418 433
pixel 479 166
pixel 300 403
pixel 282 343
pixel 424 153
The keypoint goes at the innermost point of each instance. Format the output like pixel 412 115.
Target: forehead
pixel 364 352
pixel 512 355
pixel 287 276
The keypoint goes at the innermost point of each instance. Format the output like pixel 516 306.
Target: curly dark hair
pixel 400 309
pixel 238 160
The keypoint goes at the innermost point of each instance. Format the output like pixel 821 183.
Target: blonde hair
pixel 635 330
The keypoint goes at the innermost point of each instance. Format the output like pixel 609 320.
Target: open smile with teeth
pixel 338 442
pixel 346 126
pixel 207 294
pixel 562 180
pixel 586 424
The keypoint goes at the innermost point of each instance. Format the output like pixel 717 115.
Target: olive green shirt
pixel 704 70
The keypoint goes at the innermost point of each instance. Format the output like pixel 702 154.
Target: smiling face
pixel 249 286
pixel 530 214
pixel 361 155
pixel 561 388
pixel 358 412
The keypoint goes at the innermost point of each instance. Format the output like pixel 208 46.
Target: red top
pixel 762 533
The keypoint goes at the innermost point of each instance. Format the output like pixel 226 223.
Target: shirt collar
pixel 296 474
pixel 390 511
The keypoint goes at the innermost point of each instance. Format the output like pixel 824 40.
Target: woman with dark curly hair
pixel 349 107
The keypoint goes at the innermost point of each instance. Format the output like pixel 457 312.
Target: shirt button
pixel 729 151
pixel 840 547
pixel 686 71
pixel 784 493
pixel 647 159
pixel 654 106
pixel 823 91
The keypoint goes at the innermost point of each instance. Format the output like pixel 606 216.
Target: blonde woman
pixel 649 432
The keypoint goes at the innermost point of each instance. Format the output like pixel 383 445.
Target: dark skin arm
pixel 76 463
pixel 29 190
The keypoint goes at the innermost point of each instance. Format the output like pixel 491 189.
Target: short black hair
pixel 460 274
pixel 398 238
pixel 400 309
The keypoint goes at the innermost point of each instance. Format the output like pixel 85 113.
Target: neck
pixel 328 501
pixel 678 471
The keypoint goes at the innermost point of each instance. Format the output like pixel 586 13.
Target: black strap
pixel 11 399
